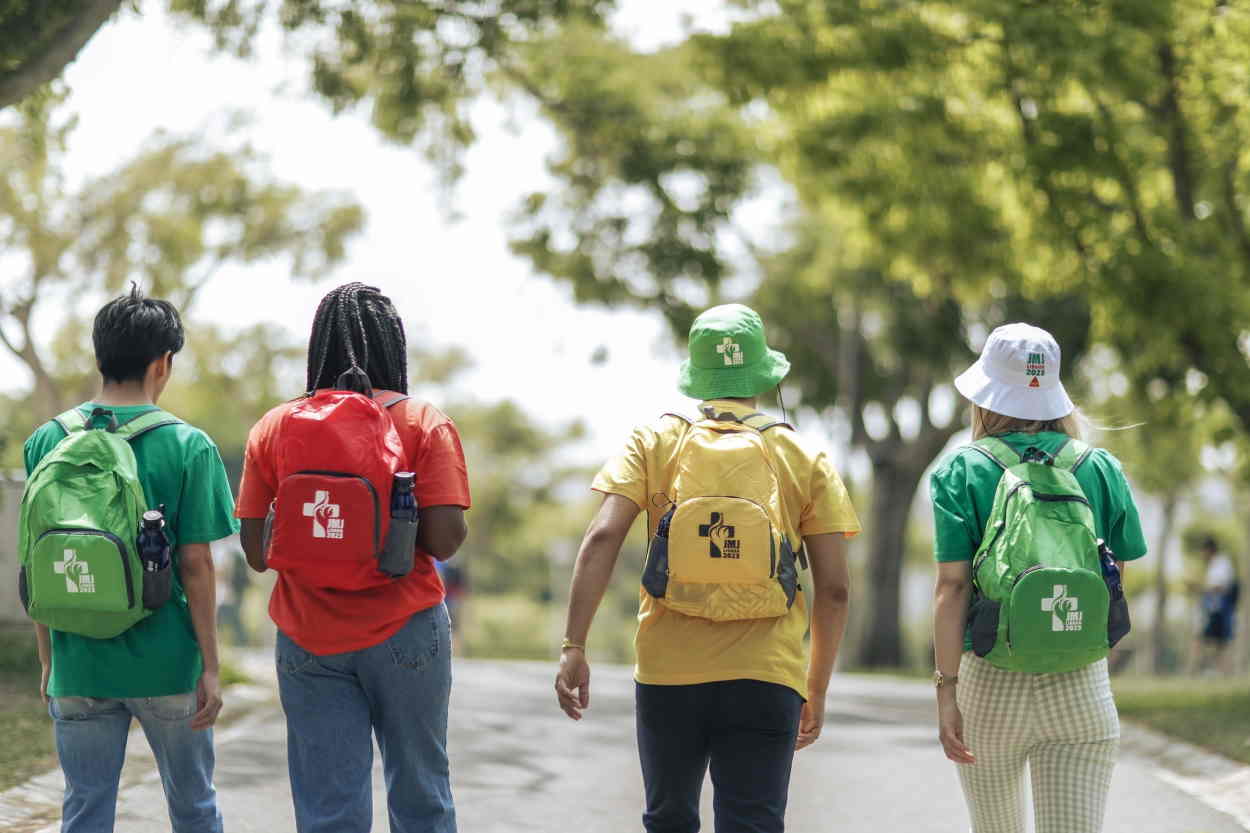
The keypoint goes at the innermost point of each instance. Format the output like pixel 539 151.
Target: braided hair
pixel 357 326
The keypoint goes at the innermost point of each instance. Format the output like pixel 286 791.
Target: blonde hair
pixel 987 423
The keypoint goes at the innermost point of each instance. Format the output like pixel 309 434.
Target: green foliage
pixel 416 63
pixel 169 218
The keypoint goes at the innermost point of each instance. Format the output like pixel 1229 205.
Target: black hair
pixel 357 326
pixel 1210 544
pixel 131 332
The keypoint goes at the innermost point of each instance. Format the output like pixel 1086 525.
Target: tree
pixel 169 218
pixel 38 38
pixel 894 256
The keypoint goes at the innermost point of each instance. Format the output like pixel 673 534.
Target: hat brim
pixel 733 382
pixel 1018 401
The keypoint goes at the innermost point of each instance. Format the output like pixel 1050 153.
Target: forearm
pixel 950 617
pixel 200 584
pixel 43 643
pixel 829 615
pixel 591 574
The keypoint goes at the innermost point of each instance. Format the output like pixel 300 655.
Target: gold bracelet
pixel 568 643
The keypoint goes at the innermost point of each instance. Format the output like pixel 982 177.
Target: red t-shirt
pixel 324 621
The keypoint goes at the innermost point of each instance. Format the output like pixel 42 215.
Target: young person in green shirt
pixel 163 671
pixel 992 722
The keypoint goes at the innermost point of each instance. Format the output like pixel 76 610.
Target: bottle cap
pixel 153 517
pixel 405 478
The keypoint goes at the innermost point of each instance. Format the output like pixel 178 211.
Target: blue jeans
pixel 398 690
pixel 91 744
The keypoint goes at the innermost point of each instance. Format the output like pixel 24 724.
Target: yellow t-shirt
pixel 674 649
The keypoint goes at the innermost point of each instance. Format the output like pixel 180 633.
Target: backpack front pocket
pixel 81 569
pixel 1057 619
pixel 327 530
pixel 724 561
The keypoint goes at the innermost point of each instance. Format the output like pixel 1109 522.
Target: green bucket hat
pixel 729 356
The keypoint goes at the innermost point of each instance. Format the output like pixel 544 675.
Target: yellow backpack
pixel 721 552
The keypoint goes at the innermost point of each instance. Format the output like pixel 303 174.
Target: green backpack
pixel 1041 603
pixel 79 529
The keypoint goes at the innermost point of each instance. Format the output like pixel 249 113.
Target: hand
pixel 43 683
pixel 573 682
pixel 951 730
pixel 207 700
pixel 811 721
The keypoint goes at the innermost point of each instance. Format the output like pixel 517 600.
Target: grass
pixel 25 731
pixel 1214 713
pixel 26 747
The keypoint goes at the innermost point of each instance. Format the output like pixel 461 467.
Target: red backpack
pixel 337 454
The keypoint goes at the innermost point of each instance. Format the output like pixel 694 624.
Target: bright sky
pixel 455 282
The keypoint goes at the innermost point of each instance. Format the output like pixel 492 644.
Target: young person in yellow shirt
pixel 739 696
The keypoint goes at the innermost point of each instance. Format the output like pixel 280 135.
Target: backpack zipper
pixel 1060 498
pixel 95 533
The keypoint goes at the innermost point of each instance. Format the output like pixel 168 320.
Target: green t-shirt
pixel 180 467
pixel 963 485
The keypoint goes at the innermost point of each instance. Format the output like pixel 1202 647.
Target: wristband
pixel 568 643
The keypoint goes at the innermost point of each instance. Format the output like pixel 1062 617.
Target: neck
pixel 749 401
pixel 125 393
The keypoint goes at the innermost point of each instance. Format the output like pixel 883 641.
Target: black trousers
pixel 744 729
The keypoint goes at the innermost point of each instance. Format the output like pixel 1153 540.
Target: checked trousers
pixel 1063 727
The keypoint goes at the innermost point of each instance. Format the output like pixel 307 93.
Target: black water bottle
pixel 1119 622
pixel 1110 570
pixel 401 538
pixel 153 545
pixel 154 554
pixel 655 572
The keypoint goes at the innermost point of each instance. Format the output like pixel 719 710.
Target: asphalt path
pixel 520 765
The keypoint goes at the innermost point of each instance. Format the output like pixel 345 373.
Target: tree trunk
pixel 894 481
pixel 1159 635
pixel 25 78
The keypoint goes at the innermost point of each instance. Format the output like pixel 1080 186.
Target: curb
pixel 1216 781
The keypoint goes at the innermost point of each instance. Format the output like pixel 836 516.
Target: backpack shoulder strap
pixel 1073 455
pixel 71 421
pixel 997 450
pixel 136 427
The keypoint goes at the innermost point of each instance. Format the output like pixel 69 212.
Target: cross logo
pixel 1064 611
pixel 718 530
pixel 325 516
pixel 78 578
pixel 731 351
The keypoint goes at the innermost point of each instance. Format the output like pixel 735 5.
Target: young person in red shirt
pixel 356 663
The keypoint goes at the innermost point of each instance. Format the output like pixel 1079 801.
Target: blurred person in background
pixel 1219 593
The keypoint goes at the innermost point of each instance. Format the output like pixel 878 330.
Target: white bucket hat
pixel 1018 375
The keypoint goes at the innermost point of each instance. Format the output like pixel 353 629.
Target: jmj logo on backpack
pixel 78 578
pixel 731 350
pixel 325 516
pixel 1064 610
pixel 717 530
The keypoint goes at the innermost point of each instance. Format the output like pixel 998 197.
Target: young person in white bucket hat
pixel 992 722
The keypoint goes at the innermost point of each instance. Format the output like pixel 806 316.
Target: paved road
pixel 519 765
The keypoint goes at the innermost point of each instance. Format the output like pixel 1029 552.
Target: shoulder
pixel 39 443
pixel 420 415
pixel 191 439
pixel 962 463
